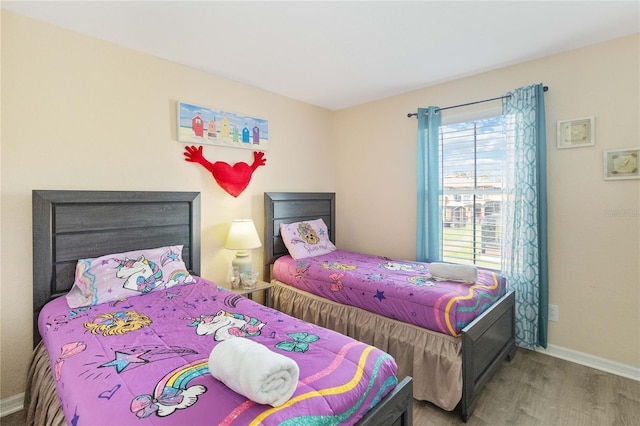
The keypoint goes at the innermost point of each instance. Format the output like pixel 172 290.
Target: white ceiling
pixel 337 54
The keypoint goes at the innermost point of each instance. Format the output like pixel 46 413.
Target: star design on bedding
pixel 375 277
pixel 379 295
pixel 123 360
pixel 168 257
pixel 76 418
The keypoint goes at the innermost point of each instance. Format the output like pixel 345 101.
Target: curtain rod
pixel 545 88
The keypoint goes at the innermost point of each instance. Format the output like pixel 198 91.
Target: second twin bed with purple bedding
pixel 447 326
pixel 397 289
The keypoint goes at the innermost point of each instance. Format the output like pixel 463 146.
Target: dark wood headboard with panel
pixel 72 225
pixel 289 207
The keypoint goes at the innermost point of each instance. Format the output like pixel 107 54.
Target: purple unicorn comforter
pixel 144 361
pixel 397 289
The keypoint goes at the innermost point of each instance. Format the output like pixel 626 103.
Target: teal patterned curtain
pixel 429 216
pixel 525 214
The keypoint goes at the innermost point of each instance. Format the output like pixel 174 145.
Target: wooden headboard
pixel 72 225
pixel 289 207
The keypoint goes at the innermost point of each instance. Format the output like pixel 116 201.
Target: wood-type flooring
pixel 538 389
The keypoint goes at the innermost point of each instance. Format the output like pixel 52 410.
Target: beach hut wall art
pixel 208 126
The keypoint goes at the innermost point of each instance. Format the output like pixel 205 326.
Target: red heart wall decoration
pixel 233 179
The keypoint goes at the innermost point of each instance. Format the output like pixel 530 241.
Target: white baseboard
pixel 11 405
pixel 592 361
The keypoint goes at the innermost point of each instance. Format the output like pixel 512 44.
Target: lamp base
pixel 242 261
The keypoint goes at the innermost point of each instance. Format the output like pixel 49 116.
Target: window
pixel 472 165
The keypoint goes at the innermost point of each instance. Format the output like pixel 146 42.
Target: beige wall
pixel 594 225
pixel 78 113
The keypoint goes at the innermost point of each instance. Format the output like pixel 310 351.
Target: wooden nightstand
pixel 260 286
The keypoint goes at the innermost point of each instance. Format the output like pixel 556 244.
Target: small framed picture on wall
pixel 576 133
pixel 621 164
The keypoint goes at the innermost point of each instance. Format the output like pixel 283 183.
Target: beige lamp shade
pixel 242 237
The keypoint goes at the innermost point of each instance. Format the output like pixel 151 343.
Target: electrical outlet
pixel 554 313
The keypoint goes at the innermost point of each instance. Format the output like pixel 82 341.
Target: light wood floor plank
pixel 539 390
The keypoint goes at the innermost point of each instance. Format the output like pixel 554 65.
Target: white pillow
pixel 454 272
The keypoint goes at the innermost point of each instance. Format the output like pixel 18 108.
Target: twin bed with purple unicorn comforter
pixel 449 327
pixel 143 360
pixel 398 289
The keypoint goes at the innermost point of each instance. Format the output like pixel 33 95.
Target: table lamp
pixel 242 237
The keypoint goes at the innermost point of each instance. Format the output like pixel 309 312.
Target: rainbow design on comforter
pixel 397 289
pixel 144 361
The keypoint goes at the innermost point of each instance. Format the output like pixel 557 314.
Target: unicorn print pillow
pixel 117 276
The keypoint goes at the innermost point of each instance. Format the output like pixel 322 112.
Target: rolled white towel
pixel 252 370
pixel 452 272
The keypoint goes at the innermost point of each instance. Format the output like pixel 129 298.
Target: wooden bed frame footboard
pixel 486 342
pixel 396 409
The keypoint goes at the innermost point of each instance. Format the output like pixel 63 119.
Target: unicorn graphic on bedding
pixel 143 275
pixel 398 266
pixel 140 275
pixel 172 392
pixel 224 325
